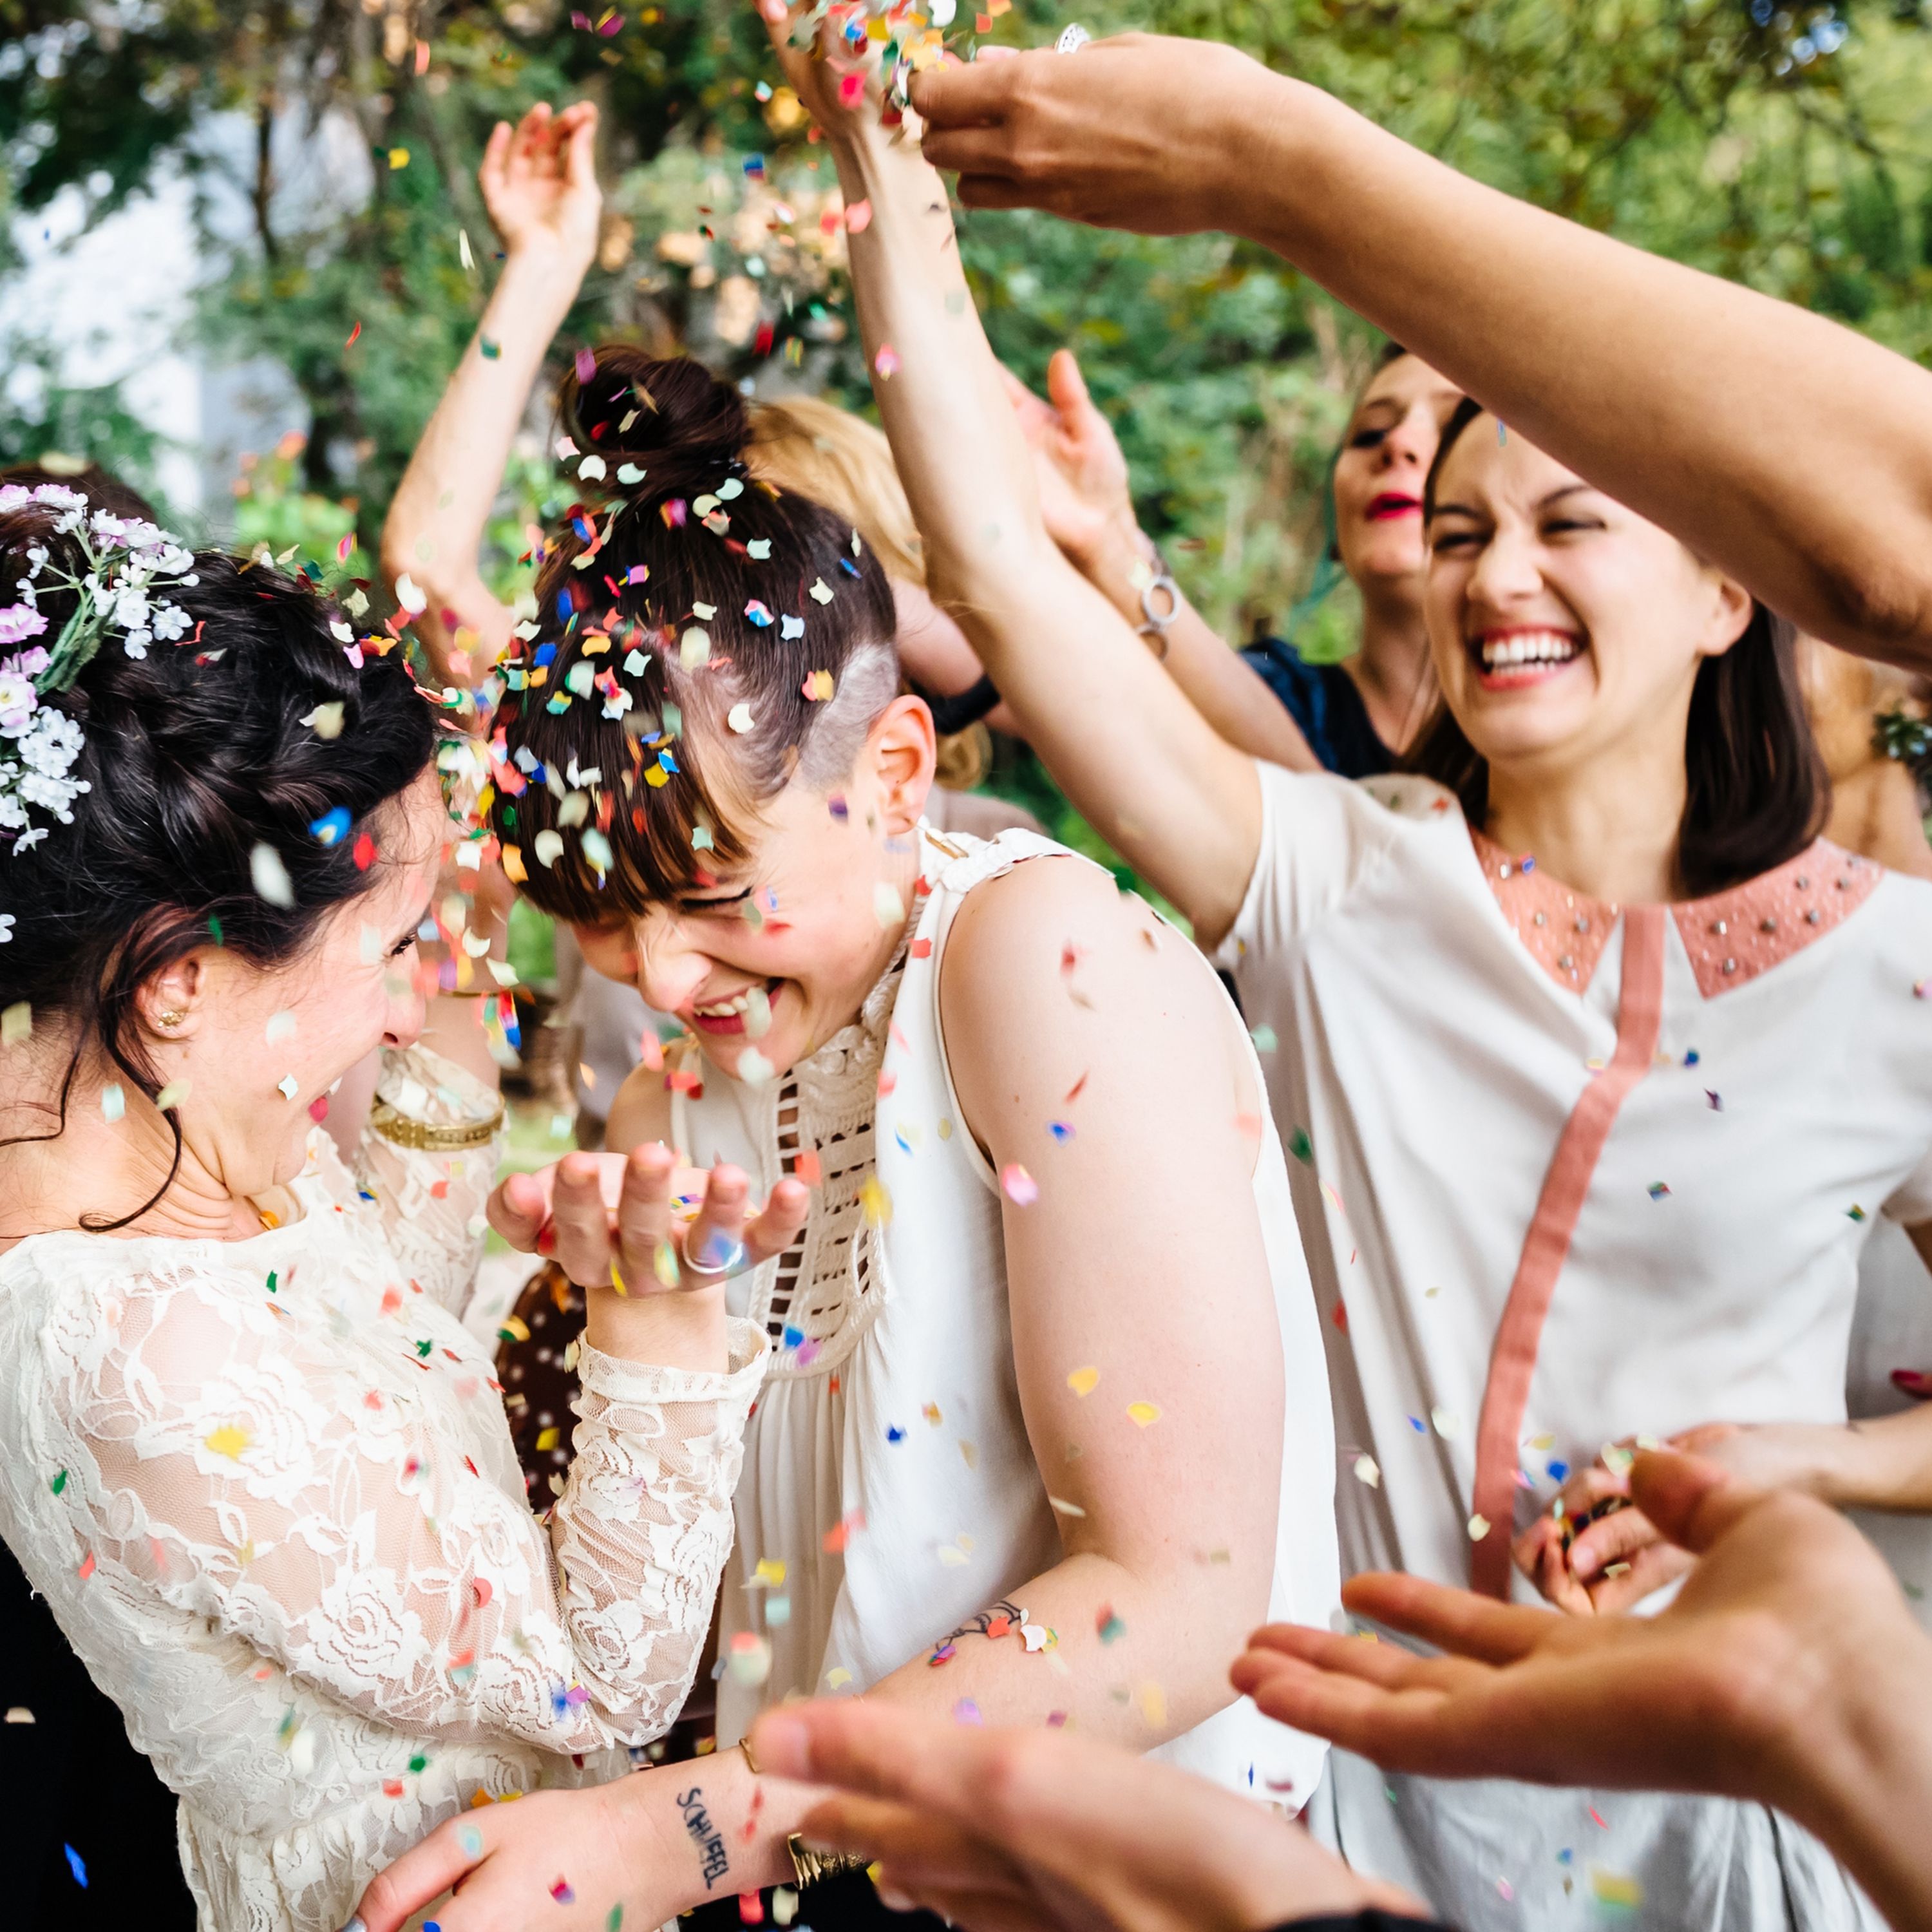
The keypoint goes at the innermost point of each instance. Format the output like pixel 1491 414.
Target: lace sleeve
pixel 431 1202
pixel 290 1483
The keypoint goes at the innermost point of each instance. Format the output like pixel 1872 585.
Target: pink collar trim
pixel 1731 937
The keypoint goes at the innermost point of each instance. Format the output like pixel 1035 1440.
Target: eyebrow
pixel 1542 503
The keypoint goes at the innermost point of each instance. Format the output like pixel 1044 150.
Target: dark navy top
pixel 1322 699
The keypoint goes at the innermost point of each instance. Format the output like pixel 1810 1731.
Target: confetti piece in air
pixel 113 1101
pixel 586 364
pixel 171 1095
pixel 1615 1888
pixel 288 1087
pixel 1479 1527
pixel 353 334
pixel 1060 1130
pixel 1065 1508
pixel 886 361
pixel 332 828
pixel 1301 1147
pixel 1108 1626
pixel 1658 1191
pixel 1144 1415
pixel 614 1917
pixel 851 89
pixel 560 1891
pixel 75 1863
pixel 888 908
pixel 740 718
pixel 270 876
pixel 1366 1471
pixel 399 159
pixel 1716 1100
pixel 858 217
pixel 489 350
pixel 325 720
pixel 1854 1212
pixel 1084 1382
pixel 1018 1186
pixel 754 1069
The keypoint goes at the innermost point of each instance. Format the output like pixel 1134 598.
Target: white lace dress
pixel 268 1488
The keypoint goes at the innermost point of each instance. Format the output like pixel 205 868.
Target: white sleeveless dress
pixel 886 1466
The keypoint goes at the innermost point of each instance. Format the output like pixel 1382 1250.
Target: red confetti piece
pixel 363 852
pixel 353 334
pixel 560 1891
pixel 922 949
pixel 87 1567
pixel 318 1109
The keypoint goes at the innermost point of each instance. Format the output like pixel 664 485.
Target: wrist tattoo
pixel 704 1835
pixel 1002 1619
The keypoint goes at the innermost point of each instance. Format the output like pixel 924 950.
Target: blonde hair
pixel 805 444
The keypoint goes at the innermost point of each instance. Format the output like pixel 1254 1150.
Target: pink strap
pixel 1519 1334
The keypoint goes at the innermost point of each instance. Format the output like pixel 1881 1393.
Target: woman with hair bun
pixel 1045 1429
pixel 255 1464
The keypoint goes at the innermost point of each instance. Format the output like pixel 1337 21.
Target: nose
pixel 402 1024
pixel 1412 444
pixel 670 966
pixel 1507 572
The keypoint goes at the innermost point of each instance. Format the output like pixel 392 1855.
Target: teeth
pixel 752 1004
pixel 1529 647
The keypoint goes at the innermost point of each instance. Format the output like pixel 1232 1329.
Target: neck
pixel 1392 670
pixel 1607 827
pixel 93 1169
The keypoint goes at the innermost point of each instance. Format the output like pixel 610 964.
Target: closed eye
pixel 695 906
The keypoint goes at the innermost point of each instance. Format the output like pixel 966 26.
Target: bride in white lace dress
pixel 253 1460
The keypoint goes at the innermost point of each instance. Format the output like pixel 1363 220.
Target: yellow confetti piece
pixel 399 157
pixel 838 1677
pixel 876 1201
pixel 547 1438
pixel 1614 1888
pixel 17 1023
pixel 1153 1701
pixel 1144 1413
pixel 514 1329
pixel 1479 1527
pixel 228 1440
pixel 1084 1382
pixel 617 1280
pixel 771 1571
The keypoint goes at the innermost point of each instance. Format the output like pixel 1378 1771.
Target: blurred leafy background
pixel 1789 147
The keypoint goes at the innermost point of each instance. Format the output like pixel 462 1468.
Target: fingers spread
pixel 1416 1729
pixel 1456 1621
pixel 643 1208
pixel 780 1223
pixel 580 1222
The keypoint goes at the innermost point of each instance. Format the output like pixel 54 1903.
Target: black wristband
pixel 953 714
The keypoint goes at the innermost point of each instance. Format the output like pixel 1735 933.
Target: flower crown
pixel 116 591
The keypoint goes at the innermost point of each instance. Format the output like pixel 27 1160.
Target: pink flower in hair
pixel 19 621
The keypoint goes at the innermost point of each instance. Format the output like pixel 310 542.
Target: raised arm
pixel 1089 512
pixel 1112 726
pixel 1655 382
pixel 540 185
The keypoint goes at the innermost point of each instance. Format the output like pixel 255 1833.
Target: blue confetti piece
pixel 756 611
pixel 1691 1058
pixel 1659 1191
pixel 1060 1130
pixel 1416 1423
pixel 546 653
pixel 850 568
pixel 77 1865
pixel 793 1336
pixel 332 828
pixel 894 1433
pixel 1558 1471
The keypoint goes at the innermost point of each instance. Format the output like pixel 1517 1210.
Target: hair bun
pixel 670 417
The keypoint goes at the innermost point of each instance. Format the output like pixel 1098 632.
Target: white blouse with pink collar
pixel 1569 1172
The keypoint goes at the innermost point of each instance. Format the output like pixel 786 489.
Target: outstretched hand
pixel 1133 132
pixel 539 183
pixel 1785 1610
pixel 1036 1831
pixel 1083 496
pixel 626 1222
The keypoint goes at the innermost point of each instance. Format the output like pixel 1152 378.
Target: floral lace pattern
pixel 268 1490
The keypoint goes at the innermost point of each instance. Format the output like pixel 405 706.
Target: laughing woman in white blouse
pixel 253 1461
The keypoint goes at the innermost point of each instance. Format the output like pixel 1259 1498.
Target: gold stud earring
pixel 170 1019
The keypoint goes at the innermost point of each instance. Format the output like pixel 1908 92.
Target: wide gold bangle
pixel 812 1866
pixel 427 1139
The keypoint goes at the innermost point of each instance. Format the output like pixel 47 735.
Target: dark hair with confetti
pixel 1758 793
pixel 702 639
pixel 255 730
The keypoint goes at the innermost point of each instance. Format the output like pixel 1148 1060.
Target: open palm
pixel 539 183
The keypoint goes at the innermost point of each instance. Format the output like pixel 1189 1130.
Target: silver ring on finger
pixel 1072 38
pixel 732 1261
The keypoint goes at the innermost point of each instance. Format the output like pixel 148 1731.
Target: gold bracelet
pixel 810 1866
pixel 427 1139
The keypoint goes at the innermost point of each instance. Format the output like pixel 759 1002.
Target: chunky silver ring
pixel 733 1261
pixel 1072 39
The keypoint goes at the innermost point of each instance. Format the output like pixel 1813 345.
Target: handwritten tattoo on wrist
pixel 704 1835
pixel 1002 1619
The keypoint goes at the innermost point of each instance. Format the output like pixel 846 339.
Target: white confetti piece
pixel 270 876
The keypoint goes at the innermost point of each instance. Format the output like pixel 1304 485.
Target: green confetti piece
pixel 60 1482
pixel 272 1274
pixel 1301 1147
pixel 616 1919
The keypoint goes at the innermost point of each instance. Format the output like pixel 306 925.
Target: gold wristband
pixel 427 1139
pixel 810 1866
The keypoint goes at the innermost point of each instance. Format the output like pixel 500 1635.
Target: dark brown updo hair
pixel 1757 792
pixel 194 755
pixel 645 750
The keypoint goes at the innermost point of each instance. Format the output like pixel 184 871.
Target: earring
pixel 170 1019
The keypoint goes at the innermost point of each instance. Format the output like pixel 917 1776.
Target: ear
pixel 171 1003
pixel 1732 609
pixel 901 751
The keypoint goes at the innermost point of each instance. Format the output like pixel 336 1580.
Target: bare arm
pixel 540 185
pixel 1089 512
pixel 1652 379
pixel 1129 751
